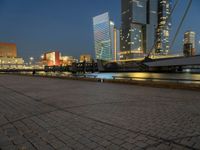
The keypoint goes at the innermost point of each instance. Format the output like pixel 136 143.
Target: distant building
pixel 139 20
pixel 164 26
pixel 67 60
pixel 189 44
pixel 139 32
pixel 8 56
pixel 51 58
pixel 105 39
pixel 11 63
pixel 8 50
pixel 116 44
pixel 85 58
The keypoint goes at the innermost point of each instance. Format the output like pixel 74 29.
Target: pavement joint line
pixel 166 143
pixel 46 131
pixel 110 81
pixel 130 130
pixel 104 103
pixel 39 100
pixel 94 104
pixel 180 138
pixel 26 138
pixel 90 118
pixel 17 130
pixel 29 116
pixel 168 97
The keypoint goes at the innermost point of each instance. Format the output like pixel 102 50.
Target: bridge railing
pixel 157 79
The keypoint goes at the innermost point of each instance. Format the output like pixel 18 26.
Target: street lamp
pixel 31 60
pixel 42 57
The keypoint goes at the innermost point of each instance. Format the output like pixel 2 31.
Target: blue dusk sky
pixel 37 26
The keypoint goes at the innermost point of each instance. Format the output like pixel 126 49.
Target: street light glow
pixel 31 58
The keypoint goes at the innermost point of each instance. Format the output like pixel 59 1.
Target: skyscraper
pixel 116 48
pixel 189 43
pixel 164 10
pixel 140 19
pixel 105 38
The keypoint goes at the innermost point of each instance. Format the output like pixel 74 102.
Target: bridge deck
pixel 179 61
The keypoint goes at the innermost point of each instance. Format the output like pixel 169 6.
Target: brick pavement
pixel 45 114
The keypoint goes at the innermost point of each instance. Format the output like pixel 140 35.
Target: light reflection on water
pixel 187 76
pixel 142 76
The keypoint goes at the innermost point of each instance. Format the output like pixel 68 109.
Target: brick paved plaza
pixel 46 114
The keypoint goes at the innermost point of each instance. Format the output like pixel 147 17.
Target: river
pixel 173 77
pixel 182 77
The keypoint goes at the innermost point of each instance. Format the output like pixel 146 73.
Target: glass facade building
pixel 139 19
pixel 105 39
pixel 164 25
pixel 139 29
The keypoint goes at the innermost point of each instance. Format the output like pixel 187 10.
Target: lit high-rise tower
pixel 133 28
pixel 143 21
pixel 164 25
pixel 139 20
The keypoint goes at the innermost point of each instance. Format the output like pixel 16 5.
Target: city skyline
pixel 41 26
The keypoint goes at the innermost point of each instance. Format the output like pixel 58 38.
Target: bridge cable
pixel 181 23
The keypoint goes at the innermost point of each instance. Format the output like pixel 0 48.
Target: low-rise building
pixel 8 56
pixel 8 50
pixel 85 58
pixel 67 60
pixel 51 58
pixel 11 63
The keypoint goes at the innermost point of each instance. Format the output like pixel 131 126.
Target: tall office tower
pixel 116 48
pixel 139 21
pixel 189 43
pixel 104 37
pixel 115 41
pixel 164 25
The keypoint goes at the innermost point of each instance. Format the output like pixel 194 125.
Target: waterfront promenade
pixel 44 114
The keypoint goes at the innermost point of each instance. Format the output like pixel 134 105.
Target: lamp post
pixel 31 60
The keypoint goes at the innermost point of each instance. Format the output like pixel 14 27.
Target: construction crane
pixel 166 23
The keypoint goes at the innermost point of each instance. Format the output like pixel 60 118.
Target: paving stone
pixel 127 146
pixel 57 144
pixel 86 115
pixel 9 147
pixel 4 141
pixel 18 140
pixel 25 146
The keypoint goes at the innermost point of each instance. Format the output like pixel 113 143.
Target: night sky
pixel 37 26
